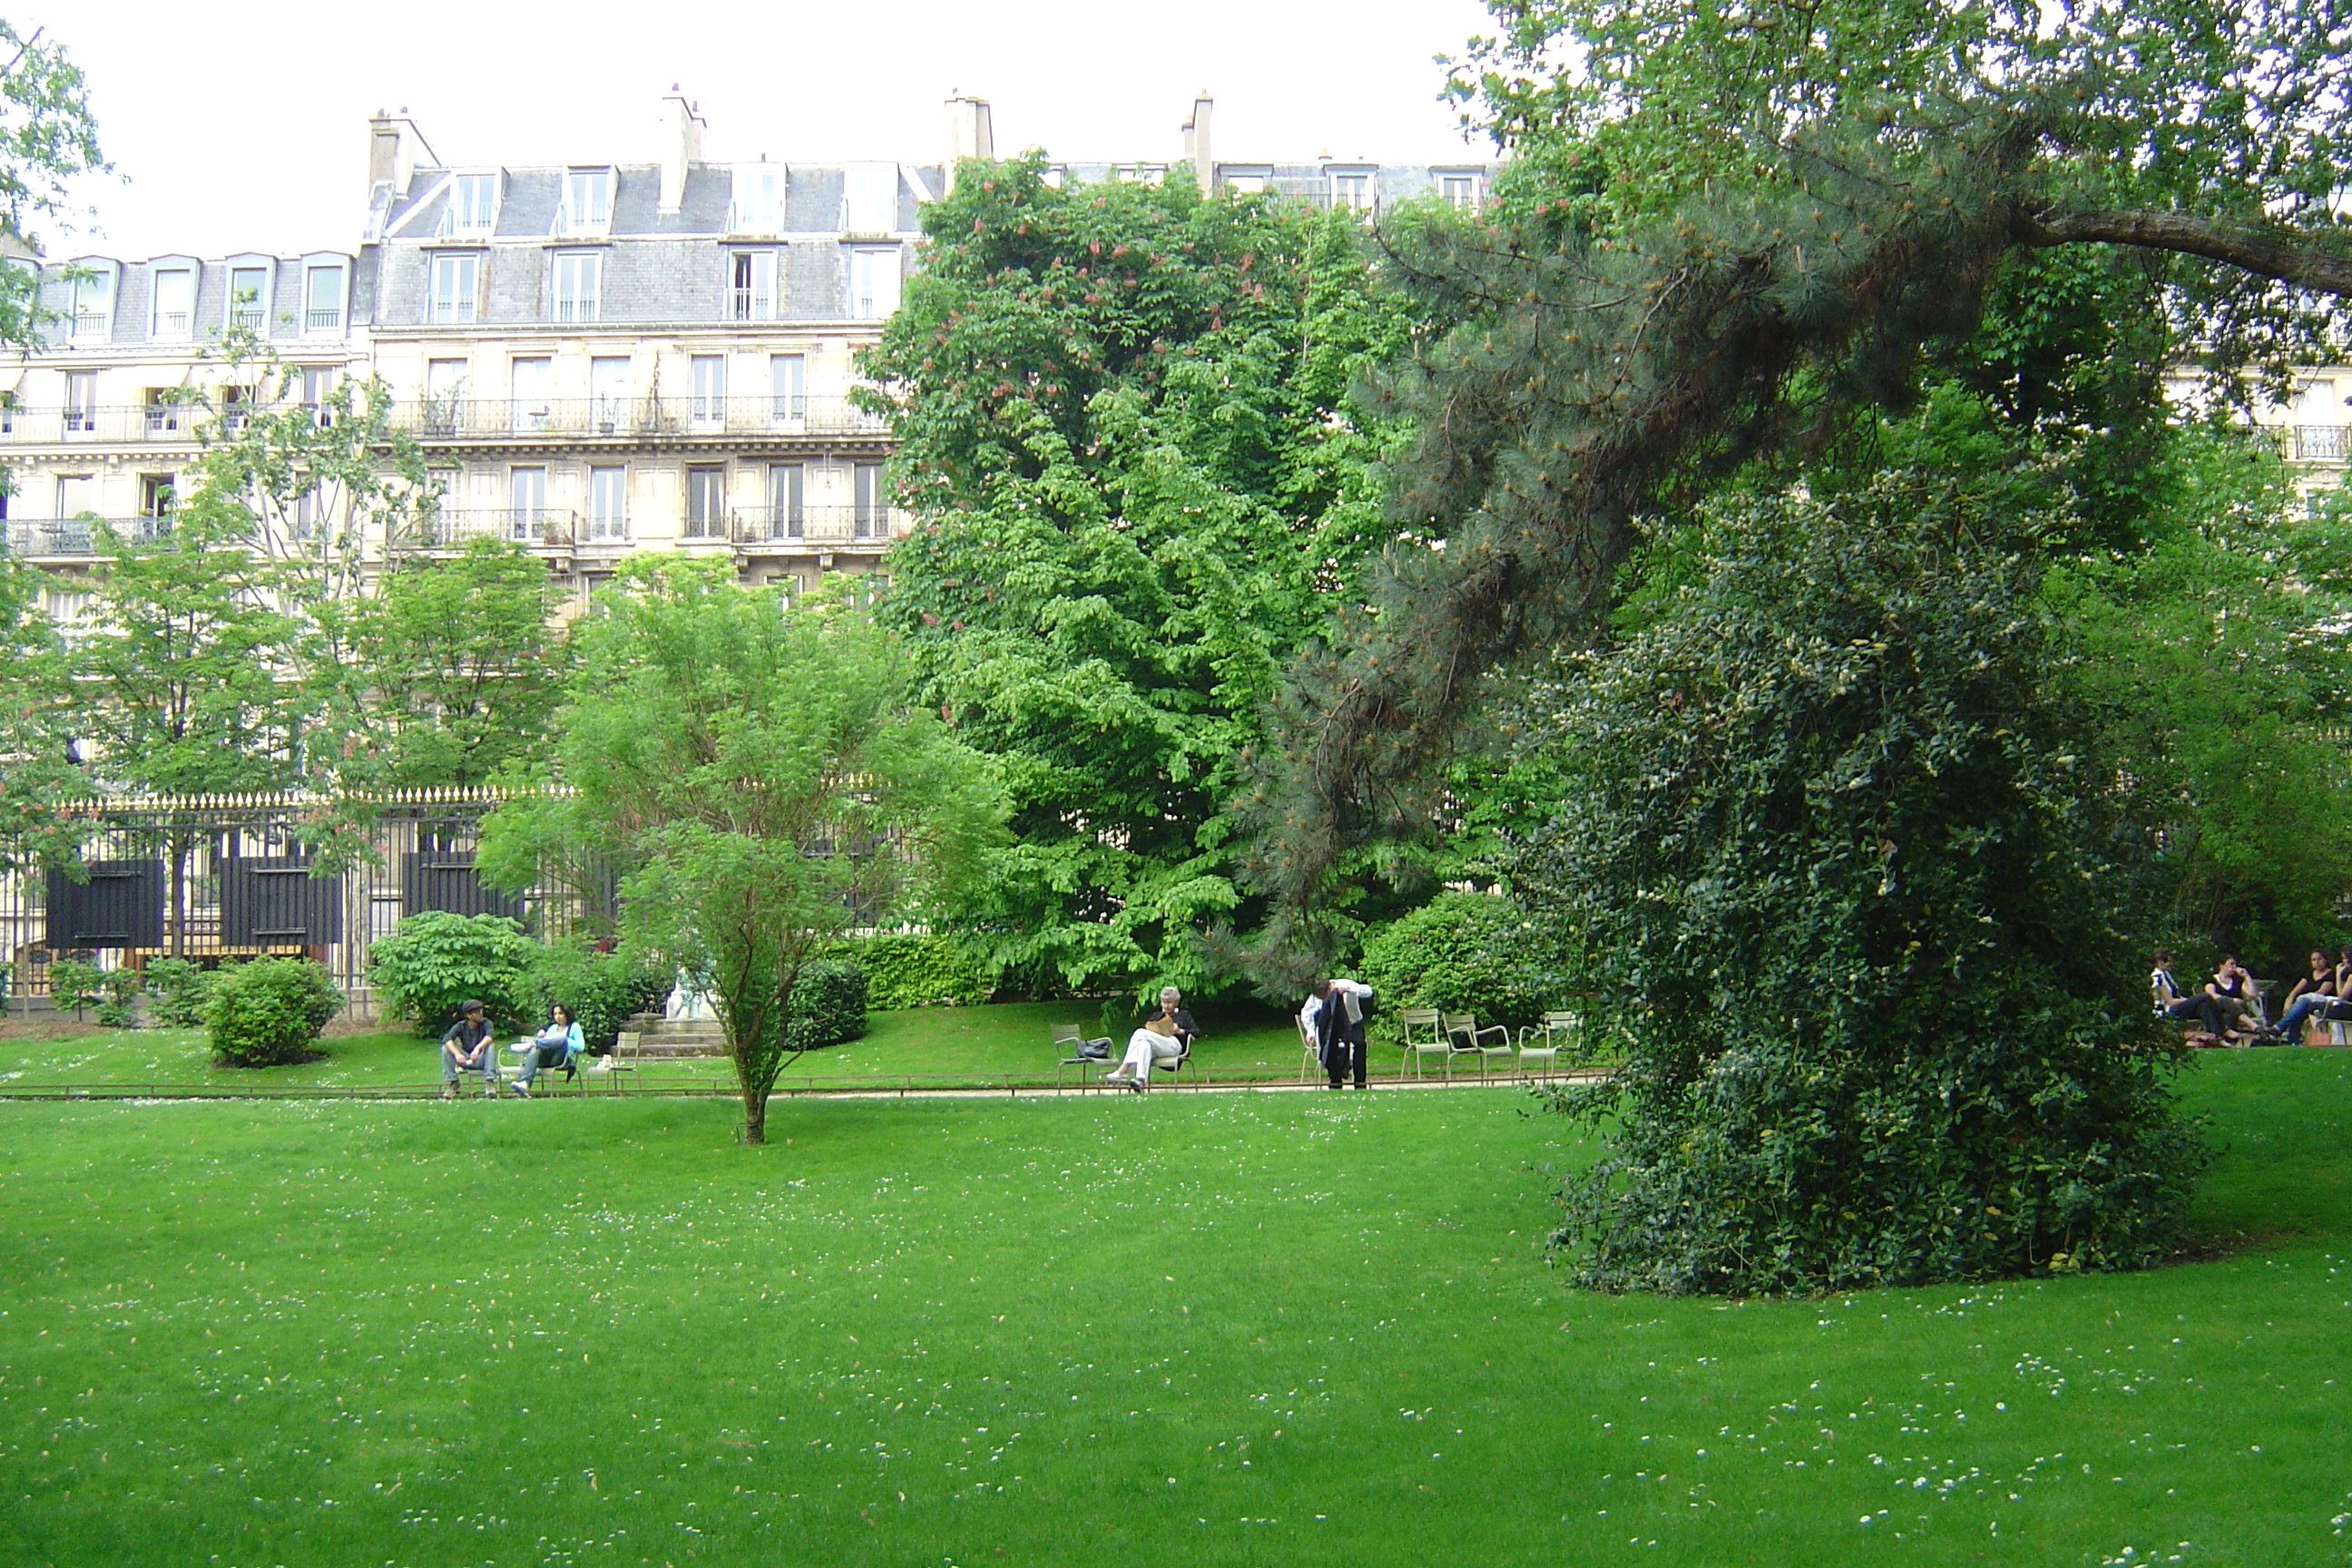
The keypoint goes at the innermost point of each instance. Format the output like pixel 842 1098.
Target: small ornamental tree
pixel 762 777
pixel 1840 843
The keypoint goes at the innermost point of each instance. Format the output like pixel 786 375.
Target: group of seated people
pixel 469 1045
pixel 2229 1007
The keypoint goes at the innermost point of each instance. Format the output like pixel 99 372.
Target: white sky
pixel 244 128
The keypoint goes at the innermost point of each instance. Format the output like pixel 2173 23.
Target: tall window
pixel 869 512
pixel 81 402
pixel 709 375
pixel 608 491
pixel 587 206
pixel 456 288
pixel 317 382
pixel 473 203
pixel 579 278
pixel 531 379
pixel 445 397
pixel 788 381
pixel 872 282
pixel 155 495
pixel 706 502
pixel 166 415
pixel 175 300
pixel 754 296
pixel 1459 190
pixel 249 297
pixel 787 504
pixel 323 299
pixel 608 394
pixel 526 502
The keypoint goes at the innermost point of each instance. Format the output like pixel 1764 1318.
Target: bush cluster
pixel 432 960
pixel 603 990
pixel 179 987
pixel 828 1006
pixel 1841 837
pixel 911 969
pixel 268 1012
pixel 1468 952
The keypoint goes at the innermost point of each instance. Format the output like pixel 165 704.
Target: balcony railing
pixel 546 527
pixel 2322 443
pixel 323 321
pixel 479 418
pixel 79 536
pixel 829 524
pixel 92 323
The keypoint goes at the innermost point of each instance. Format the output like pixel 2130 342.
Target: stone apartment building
pixel 598 357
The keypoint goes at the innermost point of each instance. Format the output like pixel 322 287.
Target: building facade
pixel 596 358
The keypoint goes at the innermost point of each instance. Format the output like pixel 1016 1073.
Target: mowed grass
pixel 932 1046
pixel 1244 1330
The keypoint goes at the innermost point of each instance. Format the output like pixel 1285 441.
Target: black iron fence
pixel 215 878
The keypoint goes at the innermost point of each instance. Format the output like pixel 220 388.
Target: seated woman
pixel 559 1044
pixel 2234 994
pixel 2311 995
pixel 1154 1041
pixel 2172 1003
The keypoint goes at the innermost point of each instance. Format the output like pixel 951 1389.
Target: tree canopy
pixel 1735 242
pixel 758 778
pixel 1125 421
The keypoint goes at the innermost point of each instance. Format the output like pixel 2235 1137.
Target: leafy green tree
pixel 177 668
pixel 464 670
pixel 2219 652
pixel 48 137
pixel 1817 230
pixel 311 485
pixel 1125 422
pixel 1847 847
pixel 761 775
pixel 37 771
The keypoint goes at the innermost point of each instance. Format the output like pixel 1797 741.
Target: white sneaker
pixel 519 1047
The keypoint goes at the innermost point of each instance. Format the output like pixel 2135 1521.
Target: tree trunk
pixel 755 1115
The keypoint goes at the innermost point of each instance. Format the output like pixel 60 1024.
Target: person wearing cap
pixel 467 1046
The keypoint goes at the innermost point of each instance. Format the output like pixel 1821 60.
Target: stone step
pixel 671 1042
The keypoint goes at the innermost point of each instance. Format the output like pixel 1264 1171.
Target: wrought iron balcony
pixel 496 418
pixel 2320 442
pixel 168 422
pixel 815 526
pixel 80 536
pixel 540 527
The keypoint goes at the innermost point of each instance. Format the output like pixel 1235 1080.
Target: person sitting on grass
pixel 467 1046
pixel 1155 1041
pixel 2172 1003
pixel 2311 995
pixel 559 1044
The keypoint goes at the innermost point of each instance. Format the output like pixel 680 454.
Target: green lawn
pixel 931 1045
pixel 1235 1330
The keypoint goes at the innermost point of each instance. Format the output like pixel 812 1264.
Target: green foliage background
pixel 268 1011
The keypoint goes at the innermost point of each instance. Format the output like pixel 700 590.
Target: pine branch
pixel 2264 253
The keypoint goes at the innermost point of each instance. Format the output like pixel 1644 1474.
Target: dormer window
pixel 1249 179
pixel 587 205
pixel 249 297
pixel 757 204
pixel 175 301
pixel 89 299
pixel 1351 188
pixel 1139 174
pixel 473 204
pixel 322 295
pixel 1459 188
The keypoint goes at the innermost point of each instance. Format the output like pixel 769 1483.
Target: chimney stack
pixel 971 134
pixel 681 145
pixel 1197 150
